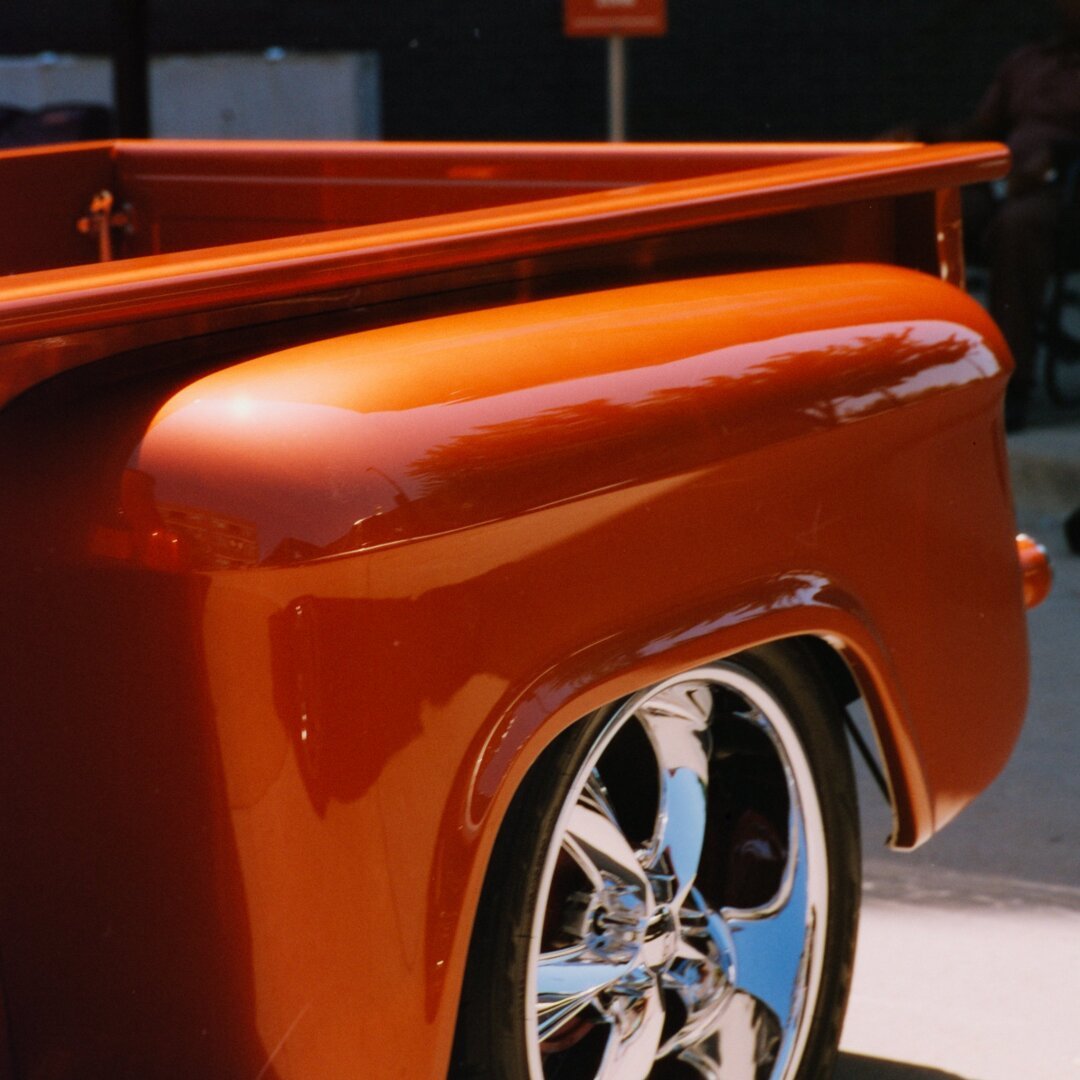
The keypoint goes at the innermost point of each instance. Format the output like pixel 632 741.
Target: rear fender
pixel 466 533
pixel 659 445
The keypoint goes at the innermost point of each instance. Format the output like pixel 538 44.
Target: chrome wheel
pixel 647 943
pixel 674 890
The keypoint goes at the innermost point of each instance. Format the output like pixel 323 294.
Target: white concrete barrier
pixel 275 94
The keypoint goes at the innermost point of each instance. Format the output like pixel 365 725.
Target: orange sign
pixel 615 18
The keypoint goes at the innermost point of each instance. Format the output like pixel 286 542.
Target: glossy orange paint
pixel 459 535
pixel 287 634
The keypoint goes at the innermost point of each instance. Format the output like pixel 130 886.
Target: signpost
pixel 616 20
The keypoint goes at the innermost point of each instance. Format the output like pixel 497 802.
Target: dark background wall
pixel 502 69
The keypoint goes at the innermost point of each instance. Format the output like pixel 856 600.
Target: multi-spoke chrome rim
pixel 681 915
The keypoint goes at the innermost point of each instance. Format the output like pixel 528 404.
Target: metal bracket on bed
pixel 102 218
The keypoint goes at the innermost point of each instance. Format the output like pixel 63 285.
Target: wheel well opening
pixel 836 675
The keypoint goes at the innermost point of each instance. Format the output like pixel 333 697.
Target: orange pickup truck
pixel 434 577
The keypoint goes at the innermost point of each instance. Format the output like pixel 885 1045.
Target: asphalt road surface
pixel 968 964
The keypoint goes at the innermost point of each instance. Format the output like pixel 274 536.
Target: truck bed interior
pixel 173 196
pixel 112 246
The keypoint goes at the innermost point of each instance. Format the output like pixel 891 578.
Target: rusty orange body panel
pixel 290 611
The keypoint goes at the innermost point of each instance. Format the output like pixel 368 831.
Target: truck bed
pixel 340 227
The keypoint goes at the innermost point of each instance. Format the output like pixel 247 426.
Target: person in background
pixel 1033 105
pixel 1072 531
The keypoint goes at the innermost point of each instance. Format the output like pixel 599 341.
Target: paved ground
pixel 969 954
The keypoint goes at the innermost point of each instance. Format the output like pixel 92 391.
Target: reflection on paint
pixel 298 480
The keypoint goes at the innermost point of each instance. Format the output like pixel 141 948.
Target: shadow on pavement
pixel 858 1067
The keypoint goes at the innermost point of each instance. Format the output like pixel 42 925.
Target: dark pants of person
pixel 1017 239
